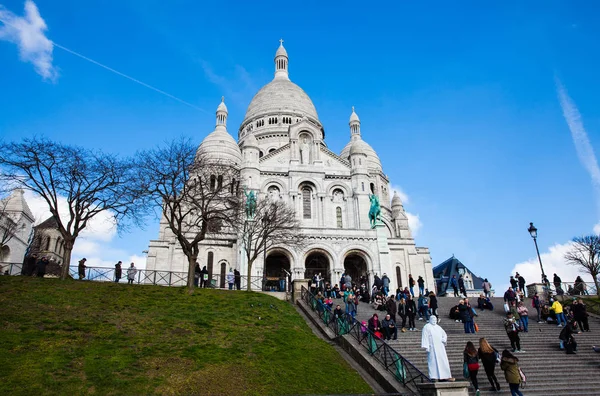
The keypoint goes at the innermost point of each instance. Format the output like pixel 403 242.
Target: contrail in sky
pixel 584 148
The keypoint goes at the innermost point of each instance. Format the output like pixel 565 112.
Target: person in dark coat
pixel 557 285
pixel 461 285
pixel 390 331
pixel 118 271
pixel 374 324
pixel 238 280
pixel 197 273
pixel 489 357
pixel 580 315
pixel 411 309
pixel 567 341
pixel 421 283
pixel 471 359
pixel 403 313
pixel 433 306
pixel 454 285
pixel 390 307
pixel 204 277
pixel 521 281
pixel 514 283
pixel 81 268
pixel 464 312
pixel 29 265
pixel 41 266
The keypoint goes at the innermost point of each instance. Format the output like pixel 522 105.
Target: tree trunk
pixel 596 283
pixel 191 272
pixel 249 283
pixel 64 272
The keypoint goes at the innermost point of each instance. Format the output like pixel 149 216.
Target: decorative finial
pixel 223 100
pixel 353 109
pixel 280 41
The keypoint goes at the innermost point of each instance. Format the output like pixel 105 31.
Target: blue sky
pixel 459 100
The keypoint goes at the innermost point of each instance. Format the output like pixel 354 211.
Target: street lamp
pixel 533 232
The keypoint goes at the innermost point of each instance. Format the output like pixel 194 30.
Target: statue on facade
pixel 250 203
pixel 375 211
pixel 304 152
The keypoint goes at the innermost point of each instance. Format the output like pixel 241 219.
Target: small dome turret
pixel 219 145
pixel 362 146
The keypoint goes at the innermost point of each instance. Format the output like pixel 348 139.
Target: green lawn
pixel 79 337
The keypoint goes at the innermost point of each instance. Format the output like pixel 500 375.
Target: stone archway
pixel 317 262
pixel 274 275
pixel 355 265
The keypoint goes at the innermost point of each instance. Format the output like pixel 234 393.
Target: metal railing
pixel 402 369
pixel 576 289
pixel 11 268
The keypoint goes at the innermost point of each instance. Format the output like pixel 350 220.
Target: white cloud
pixel 414 223
pixel 28 33
pixel 597 229
pixel 584 149
pixel 403 196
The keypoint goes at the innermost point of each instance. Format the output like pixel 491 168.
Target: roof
pixel 50 222
pixel 447 269
pixel 16 203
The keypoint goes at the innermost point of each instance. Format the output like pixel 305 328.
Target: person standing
pixel 433 306
pixel 454 284
pixel 411 312
pixel 421 283
pixel 489 357
pixel 197 273
pixel 512 330
pixel 131 272
pixel 523 316
pixel 487 287
pixel 509 364
pixel 514 283
pixel 557 284
pixel 423 308
pixel 434 340
pixel 118 271
pixel 536 303
pixel 411 284
pixel 203 277
pixel 580 315
pixel 390 307
pixel 41 266
pixel 465 316
pixel 403 313
pixel 230 279
pixel 386 284
pixel 471 359
pixel 557 308
pixel 81 268
pixel 348 282
pixel 521 281
pixel 238 281
pixel 29 265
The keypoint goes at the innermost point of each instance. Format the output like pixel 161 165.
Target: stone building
pixel 47 241
pixel 453 266
pixel 16 221
pixel 281 154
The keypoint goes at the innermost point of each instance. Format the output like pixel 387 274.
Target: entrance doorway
pixel 222 280
pixel 317 263
pixel 275 276
pixel 356 266
pixel 398 277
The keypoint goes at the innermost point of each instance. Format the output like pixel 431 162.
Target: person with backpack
pixel 489 358
pixel 510 365
pixel 471 361
pixel 537 304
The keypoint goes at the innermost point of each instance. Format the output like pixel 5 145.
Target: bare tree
pixel 86 182
pixel 273 224
pixel 585 254
pixel 197 194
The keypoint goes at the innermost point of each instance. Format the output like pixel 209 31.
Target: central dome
pixel 281 95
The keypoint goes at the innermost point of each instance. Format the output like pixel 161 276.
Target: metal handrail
pixel 402 369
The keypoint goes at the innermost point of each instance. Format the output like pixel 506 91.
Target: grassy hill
pixel 79 337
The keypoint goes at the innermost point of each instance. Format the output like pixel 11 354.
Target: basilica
pixel 281 154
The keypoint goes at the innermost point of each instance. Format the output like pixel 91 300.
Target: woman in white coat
pixel 434 340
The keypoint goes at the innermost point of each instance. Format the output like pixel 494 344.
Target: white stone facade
pixel 15 214
pixel 281 154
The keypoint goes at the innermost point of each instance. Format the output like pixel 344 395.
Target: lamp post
pixel 533 232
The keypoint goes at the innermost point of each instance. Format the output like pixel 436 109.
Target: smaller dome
pixel 220 146
pixel 359 147
pixel 222 106
pixel 251 141
pixel 373 160
pixel 281 50
pixel 396 201
pixel 354 116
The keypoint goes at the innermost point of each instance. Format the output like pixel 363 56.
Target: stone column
pixel 297 288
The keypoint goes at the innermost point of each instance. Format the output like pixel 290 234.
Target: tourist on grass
pixel 389 328
pixel 454 284
pixel 557 308
pixel 375 324
pixel 385 281
pixel 29 265
pixel 230 279
pixel 411 284
pixel 461 285
pixel 521 281
pixel 197 272
pixel 131 272
pixel 411 312
pixel 41 266
pixel 523 316
pixel 421 283
pixel 487 287
pixel 118 271
pixel 512 330
pixel 204 277
pixel 489 358
pixel 433 306
pixel 238 280
pixel 434 340
pixel 81 268
pixel 537 304
pixel 471 359
pixel 509 364
pixel 402 313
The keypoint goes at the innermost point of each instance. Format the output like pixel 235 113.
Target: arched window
pixel 213 182
pixel 363 186
pixel 398 277
pixel 56 245
pixel 220 182
pixel 373 188
pixel 272 149
pixel 48 244
pixel 260 154
pixel 232 186
pixel 209 264
pixel 338 214
pixel 306 204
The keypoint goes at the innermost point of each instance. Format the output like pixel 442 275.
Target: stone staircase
pixel 548 369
